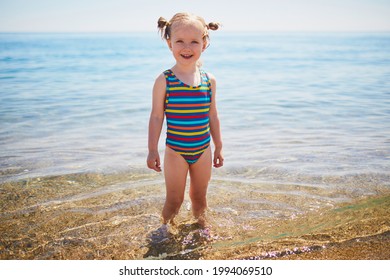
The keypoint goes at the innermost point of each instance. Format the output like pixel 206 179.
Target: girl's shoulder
pixel 160 80
pixel 209 76
pixel 163 75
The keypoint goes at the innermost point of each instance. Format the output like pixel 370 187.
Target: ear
pixel 169 43
pixel 205 45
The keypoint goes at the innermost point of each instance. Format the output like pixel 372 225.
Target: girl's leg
pixel 200 173
pixel 175 171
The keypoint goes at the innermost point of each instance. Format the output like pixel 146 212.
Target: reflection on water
pixel 114 216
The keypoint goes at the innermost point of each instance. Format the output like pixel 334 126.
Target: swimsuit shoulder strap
pixel 206 79
pixel 169 76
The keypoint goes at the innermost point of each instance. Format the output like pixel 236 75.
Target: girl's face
pixel 187 43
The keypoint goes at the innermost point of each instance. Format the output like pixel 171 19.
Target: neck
pixel 188 75
pixel 188 69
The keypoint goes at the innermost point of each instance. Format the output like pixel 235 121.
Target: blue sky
pixel 245 15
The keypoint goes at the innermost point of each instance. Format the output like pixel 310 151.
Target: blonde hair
pixel 165 27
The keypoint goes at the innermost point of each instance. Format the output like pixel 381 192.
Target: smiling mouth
pixel 186 56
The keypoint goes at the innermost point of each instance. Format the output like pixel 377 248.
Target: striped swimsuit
pixel 187 113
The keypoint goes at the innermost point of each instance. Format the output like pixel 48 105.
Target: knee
pixel 175 202
pixel 197 198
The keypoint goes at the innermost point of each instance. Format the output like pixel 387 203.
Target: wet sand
pixel 358 230
pixel 376 247
pixel 96 216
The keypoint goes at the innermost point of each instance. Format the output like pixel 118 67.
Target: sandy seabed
pixel 95 216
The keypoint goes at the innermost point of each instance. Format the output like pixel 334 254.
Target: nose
pixel 186 46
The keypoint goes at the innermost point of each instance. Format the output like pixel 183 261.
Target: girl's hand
pixel 218 158
pixel 153 161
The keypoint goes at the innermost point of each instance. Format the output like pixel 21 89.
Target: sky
pixel 237 15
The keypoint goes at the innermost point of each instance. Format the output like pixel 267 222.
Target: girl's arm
pixel 156 122
pixel 215 128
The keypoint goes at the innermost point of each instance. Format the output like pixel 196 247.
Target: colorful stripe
pixel 187 112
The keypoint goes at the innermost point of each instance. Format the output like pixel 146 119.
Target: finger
pixel 150 165
pixel 154 164
pixel 158 164
pixel 218 162
pixel 157 167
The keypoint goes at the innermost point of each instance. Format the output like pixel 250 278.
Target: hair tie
pixel 213 26
pixel 162 23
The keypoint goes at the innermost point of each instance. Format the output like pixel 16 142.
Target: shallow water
pixel 289 103
pixel 96 216
pixel 306 142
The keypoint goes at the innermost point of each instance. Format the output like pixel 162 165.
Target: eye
pixel 179 41
pixel 194 42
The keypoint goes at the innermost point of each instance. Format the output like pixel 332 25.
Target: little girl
pixel 186 95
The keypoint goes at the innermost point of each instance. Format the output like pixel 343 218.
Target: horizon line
pixel 229 31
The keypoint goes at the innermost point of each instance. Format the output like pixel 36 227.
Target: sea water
pixel 305 120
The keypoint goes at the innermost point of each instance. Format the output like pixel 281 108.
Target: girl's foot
pixel 159 235
pixel 202 222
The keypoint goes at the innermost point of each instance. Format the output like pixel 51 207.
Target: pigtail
pixel 162 23
pixel 163 26
pixel 213 26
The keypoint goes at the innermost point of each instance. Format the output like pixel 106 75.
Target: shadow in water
pixel 182 242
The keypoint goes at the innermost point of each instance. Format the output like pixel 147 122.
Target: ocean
pixel 305 121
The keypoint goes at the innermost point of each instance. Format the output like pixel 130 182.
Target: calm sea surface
pixel 289 103
pixel 305 117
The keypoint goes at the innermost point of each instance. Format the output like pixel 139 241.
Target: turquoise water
pixel 289 103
